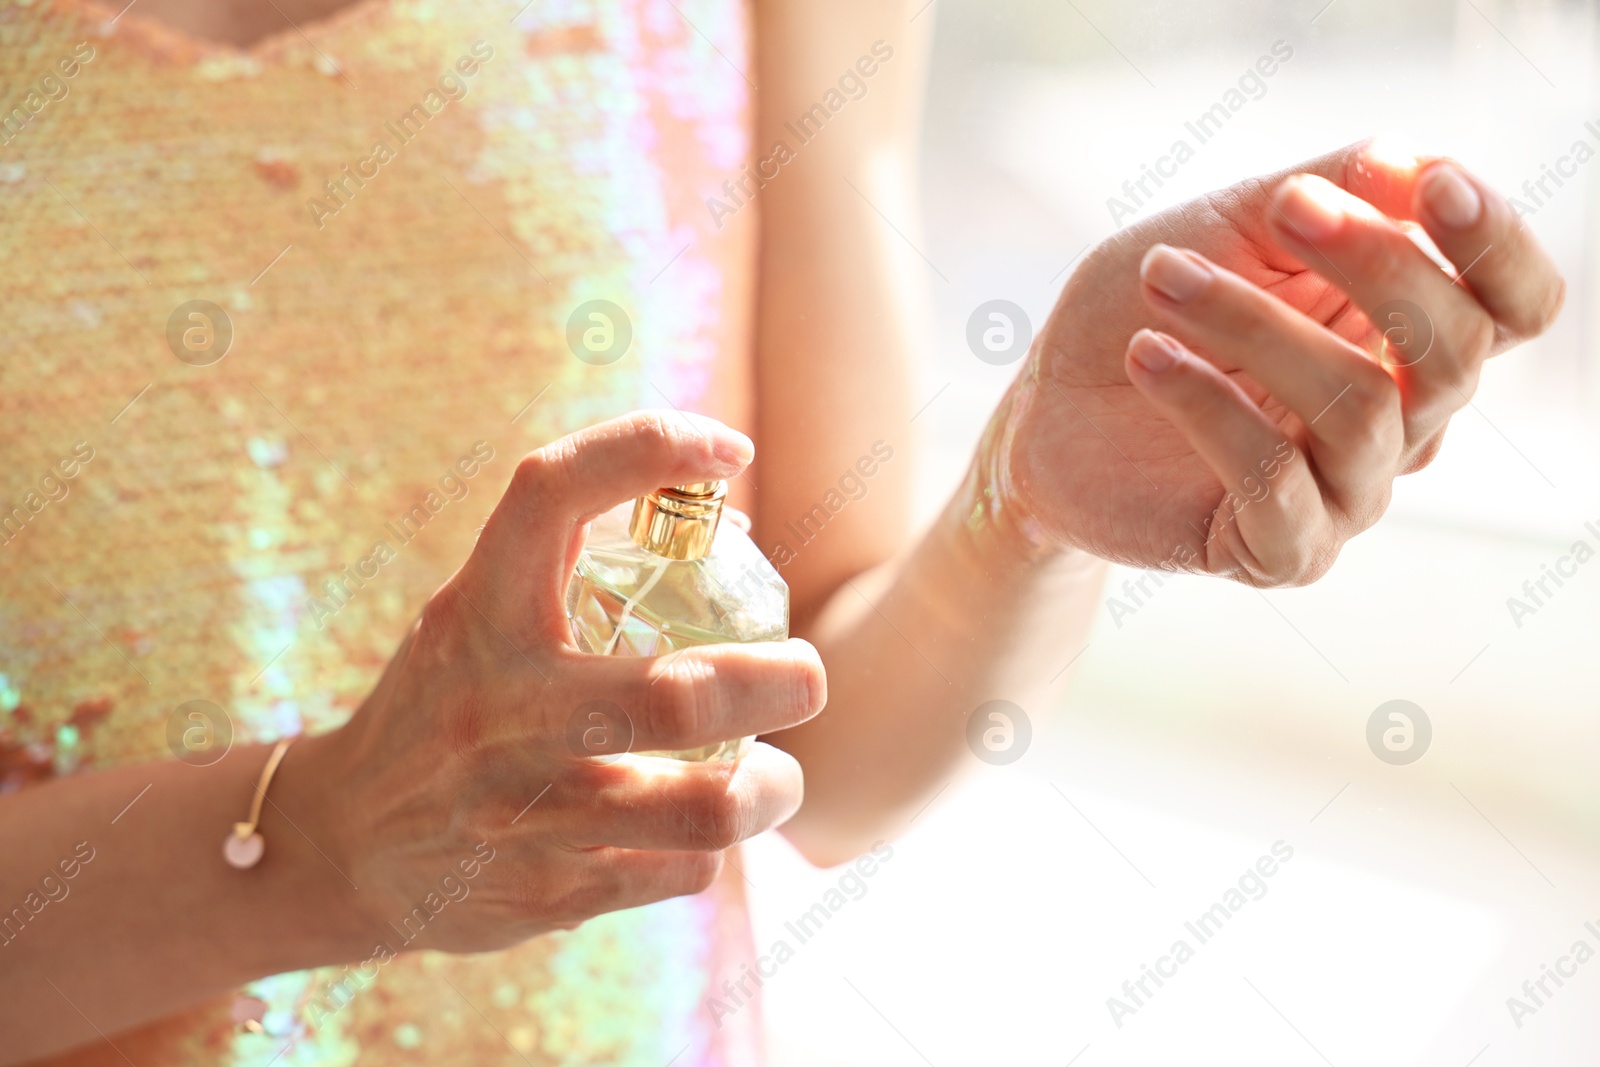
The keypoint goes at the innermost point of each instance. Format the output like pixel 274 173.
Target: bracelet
pixel 244 846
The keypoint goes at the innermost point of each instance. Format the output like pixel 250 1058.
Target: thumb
pixel 518 570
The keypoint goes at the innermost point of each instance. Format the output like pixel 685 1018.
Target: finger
pixel 706 694
pixel 1269 524
pixel 1357 249
pixel 1380 170
pixel 520 559
pixel 1348 403
pixel 671 805
pixel 615 879
pixel 1476 229
pixel 1495 256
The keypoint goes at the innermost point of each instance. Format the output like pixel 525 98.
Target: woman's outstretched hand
pixel 1232 386
pixel 468 738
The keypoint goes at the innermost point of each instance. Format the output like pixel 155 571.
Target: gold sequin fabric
pixel 261 308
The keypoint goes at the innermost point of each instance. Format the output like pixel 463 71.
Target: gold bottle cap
pixel 678 521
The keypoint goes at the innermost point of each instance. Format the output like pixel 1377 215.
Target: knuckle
pixel 725 823
pixel 1477 341
pixel 669 433
pixel 1307 562
pixel 584 782
pixel 1319 564
pixel 598 888
pixel 441 618
pixel 1296 560
pixel 538 474
pixel 1373 395
pixel 654 429
pixel 1424 454
pixel 1314 557
pixel 790 677
pixel 682 699
pixel 1305 575
pixel 1370 422
pixel 577 892
pixel 1361 513
pixel 1374 440
pixel 719 817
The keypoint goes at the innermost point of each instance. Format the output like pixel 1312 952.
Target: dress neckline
pixel 173 44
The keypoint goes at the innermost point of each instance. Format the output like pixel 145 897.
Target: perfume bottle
pixel 670 575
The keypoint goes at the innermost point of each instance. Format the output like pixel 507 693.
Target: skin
pixel 914 632
pixel 1276 347
pixel 1278 392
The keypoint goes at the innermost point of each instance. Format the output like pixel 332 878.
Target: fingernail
pixel 1173 274
pixel 1312 207
pixel 1451 198
pixel 1154 352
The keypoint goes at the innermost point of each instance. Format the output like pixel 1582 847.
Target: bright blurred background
pixel 1216 720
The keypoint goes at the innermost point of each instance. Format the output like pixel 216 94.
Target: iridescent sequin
pixel 368 353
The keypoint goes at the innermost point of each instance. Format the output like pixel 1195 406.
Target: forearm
pixel 839 295
pixel 969 614
pixel 156 897
pixel 965 614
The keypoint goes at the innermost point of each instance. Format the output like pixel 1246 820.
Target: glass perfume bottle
pixel 670 576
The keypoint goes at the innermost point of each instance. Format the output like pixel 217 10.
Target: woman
pixel 427 240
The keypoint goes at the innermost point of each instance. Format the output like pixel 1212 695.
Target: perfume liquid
pixel 664 574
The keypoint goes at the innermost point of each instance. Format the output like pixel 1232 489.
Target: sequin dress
pixel 260 302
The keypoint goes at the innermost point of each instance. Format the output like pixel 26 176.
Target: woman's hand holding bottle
pixel 485 724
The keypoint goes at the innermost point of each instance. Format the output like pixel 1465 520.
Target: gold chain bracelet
pixel 244 846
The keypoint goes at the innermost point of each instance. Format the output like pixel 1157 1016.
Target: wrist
pixel 988 518
pixel 304 821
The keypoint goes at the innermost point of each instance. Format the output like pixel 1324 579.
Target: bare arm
pixel 1170 413
pixel 913 648
pixel 153 896
pixel 959 616
pixel 424 794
